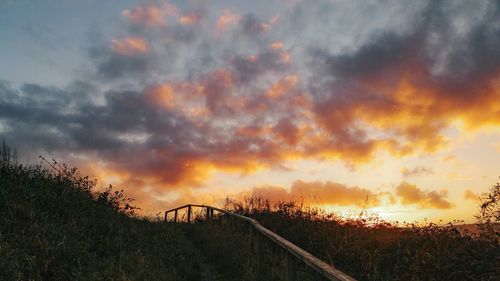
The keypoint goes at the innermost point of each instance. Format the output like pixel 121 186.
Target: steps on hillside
pixel 208 272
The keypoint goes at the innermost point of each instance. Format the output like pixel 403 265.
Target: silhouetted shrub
pixel 54 226
pixel 489 214
pixel 367 248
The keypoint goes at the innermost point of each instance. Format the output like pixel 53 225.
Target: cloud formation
pixel 410 194
pixel 417 171
pixel 130 46
pixel 320 193
pixel 182 92
pixel 151 15
pixel 338 194
pixel 470 195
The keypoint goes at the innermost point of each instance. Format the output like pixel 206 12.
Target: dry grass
pixel 367 249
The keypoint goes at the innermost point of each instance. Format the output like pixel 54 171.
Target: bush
pixel 54 226
pixel 367 249
pixel 489 214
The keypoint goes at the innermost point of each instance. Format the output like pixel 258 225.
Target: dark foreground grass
pixel 53 226
pixel 367 249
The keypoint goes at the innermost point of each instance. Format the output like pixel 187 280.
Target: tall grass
pixel 54 226
pixel 367 249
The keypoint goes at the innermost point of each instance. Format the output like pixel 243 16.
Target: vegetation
pixel 54 226
pixel 367 249
pixel 489 214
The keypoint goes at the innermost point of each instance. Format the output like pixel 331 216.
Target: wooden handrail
pixel 326 270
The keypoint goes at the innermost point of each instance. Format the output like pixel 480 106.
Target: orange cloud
pixel 282 86
pixel 151 15
pixel 277 45
pixel 408 107
pixel 162 94
pixel 320 193
pixel 130 46
pixel 227 19
pixel 239 138
pixel 268 25
pixel 251 131
pixel 286 130
pixel 335 193
pixel 243 122
pixel 470 195
pixel 184 98
pixel 156 174
pixel 411 195
pixel 272 193
pixel 191 18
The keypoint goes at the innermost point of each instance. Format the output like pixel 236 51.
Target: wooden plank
pixel 175 215
pixel 189 214
pixel 326 270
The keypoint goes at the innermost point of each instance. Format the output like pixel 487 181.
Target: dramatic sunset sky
pixel 326 102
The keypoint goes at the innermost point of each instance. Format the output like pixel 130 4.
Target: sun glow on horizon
pixel 181 102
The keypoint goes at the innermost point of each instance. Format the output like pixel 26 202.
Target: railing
pixel 294 253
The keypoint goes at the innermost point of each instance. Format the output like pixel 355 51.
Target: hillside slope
pixel 53 226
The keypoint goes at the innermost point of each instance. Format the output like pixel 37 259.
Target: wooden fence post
pixel 291 264
pixel 262 241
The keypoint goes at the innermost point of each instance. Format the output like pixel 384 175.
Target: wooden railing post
pixel 208 214
pixel 259 235
pixel 291 264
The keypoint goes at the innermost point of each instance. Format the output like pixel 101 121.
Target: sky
pixel 392 106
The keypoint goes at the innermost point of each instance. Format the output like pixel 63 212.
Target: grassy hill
pixel 368 249
pixel 53 226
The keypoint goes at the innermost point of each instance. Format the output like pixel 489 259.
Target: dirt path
pixel 208 271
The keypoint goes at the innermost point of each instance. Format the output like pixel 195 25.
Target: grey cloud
pixel 445 38
pixel 110 65
pixel 350 58
pixel 251 25
pixel 88 126
pixel 127 131
pixel 386 50
pixel 417 171
pixel 248 70
pixel 449 74
pixel 462 37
